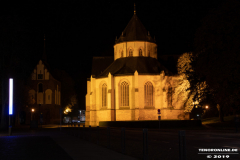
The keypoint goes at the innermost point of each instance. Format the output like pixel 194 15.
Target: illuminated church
pixel 133 85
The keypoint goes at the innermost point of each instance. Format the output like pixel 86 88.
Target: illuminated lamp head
pixel 33 110
pixel 10 96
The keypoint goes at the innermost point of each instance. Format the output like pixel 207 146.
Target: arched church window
pixel 124 94
pixel 169 95
pixel 104 95
pixel 148 94
pixel 130 53
pixel 121 53
pixel 40 87
pixel 140 52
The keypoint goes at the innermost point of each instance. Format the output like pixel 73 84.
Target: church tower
pixel 135 41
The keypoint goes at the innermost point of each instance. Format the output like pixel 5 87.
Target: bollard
pixel 84 132
pixel 182 145
pixel 97 134
pixel 108 130
pixel 145 144
pixel 123 139
pixel 78 132
pixel 89 134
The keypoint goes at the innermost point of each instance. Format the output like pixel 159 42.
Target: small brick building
pixel 44 96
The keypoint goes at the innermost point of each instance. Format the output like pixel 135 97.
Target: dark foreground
pixel 93 143
pixel 51 144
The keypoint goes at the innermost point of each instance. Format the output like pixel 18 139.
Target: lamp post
pixel 40 115
pixel 32 111
pixel 10 105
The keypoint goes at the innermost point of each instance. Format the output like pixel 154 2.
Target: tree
pixel 182 91
pixel 216 57
pixel 67 88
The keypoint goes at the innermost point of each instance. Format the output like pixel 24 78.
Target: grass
pixel 227 119
pixel 214 123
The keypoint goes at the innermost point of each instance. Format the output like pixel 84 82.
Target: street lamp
pixel 206 107
pixel 10 104
pixel 32 113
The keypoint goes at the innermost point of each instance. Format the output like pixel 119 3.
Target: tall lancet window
pixel 140 52
pixel 124 94
pixel 104 95
pixel 121 53
pixel 148 94
pixel 130 53
pixel 169 95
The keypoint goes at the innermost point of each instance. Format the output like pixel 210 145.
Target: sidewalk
pixel 43 140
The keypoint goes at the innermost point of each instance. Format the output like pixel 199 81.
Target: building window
pixel 130 53
pixel 48 96
pixel 169 96
pixel 121 53
pixel 40 76
pixel 40 87
pixel 148 94
pixel 124 94
pixel 104 95
pixel 140 52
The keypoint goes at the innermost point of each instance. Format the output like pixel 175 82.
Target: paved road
pixel 164 144
pixel 50 143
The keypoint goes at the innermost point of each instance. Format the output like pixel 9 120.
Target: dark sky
pixel 78 30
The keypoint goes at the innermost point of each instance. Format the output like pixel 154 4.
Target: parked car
pixel 75 120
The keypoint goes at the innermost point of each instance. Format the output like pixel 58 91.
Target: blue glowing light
pixel 10 96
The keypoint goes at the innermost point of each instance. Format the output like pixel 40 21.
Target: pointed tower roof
pixel 135 31
pixel 44 55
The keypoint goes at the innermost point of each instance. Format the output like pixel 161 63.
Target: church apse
pixel 133 84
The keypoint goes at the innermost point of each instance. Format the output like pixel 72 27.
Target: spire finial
pixel 44 56
pixel 134 8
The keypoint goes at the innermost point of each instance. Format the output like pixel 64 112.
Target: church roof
pixel 99 64
pixel 135 31
pixel 128 65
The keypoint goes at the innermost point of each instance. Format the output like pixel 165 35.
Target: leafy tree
pixel 181 90
pixel 216 59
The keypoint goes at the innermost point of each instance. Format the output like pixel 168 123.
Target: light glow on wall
pixel 10 96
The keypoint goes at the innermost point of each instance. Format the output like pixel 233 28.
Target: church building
pixel 133 85
pixel 44 92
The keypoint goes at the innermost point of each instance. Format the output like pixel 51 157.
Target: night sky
pixel 78 30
